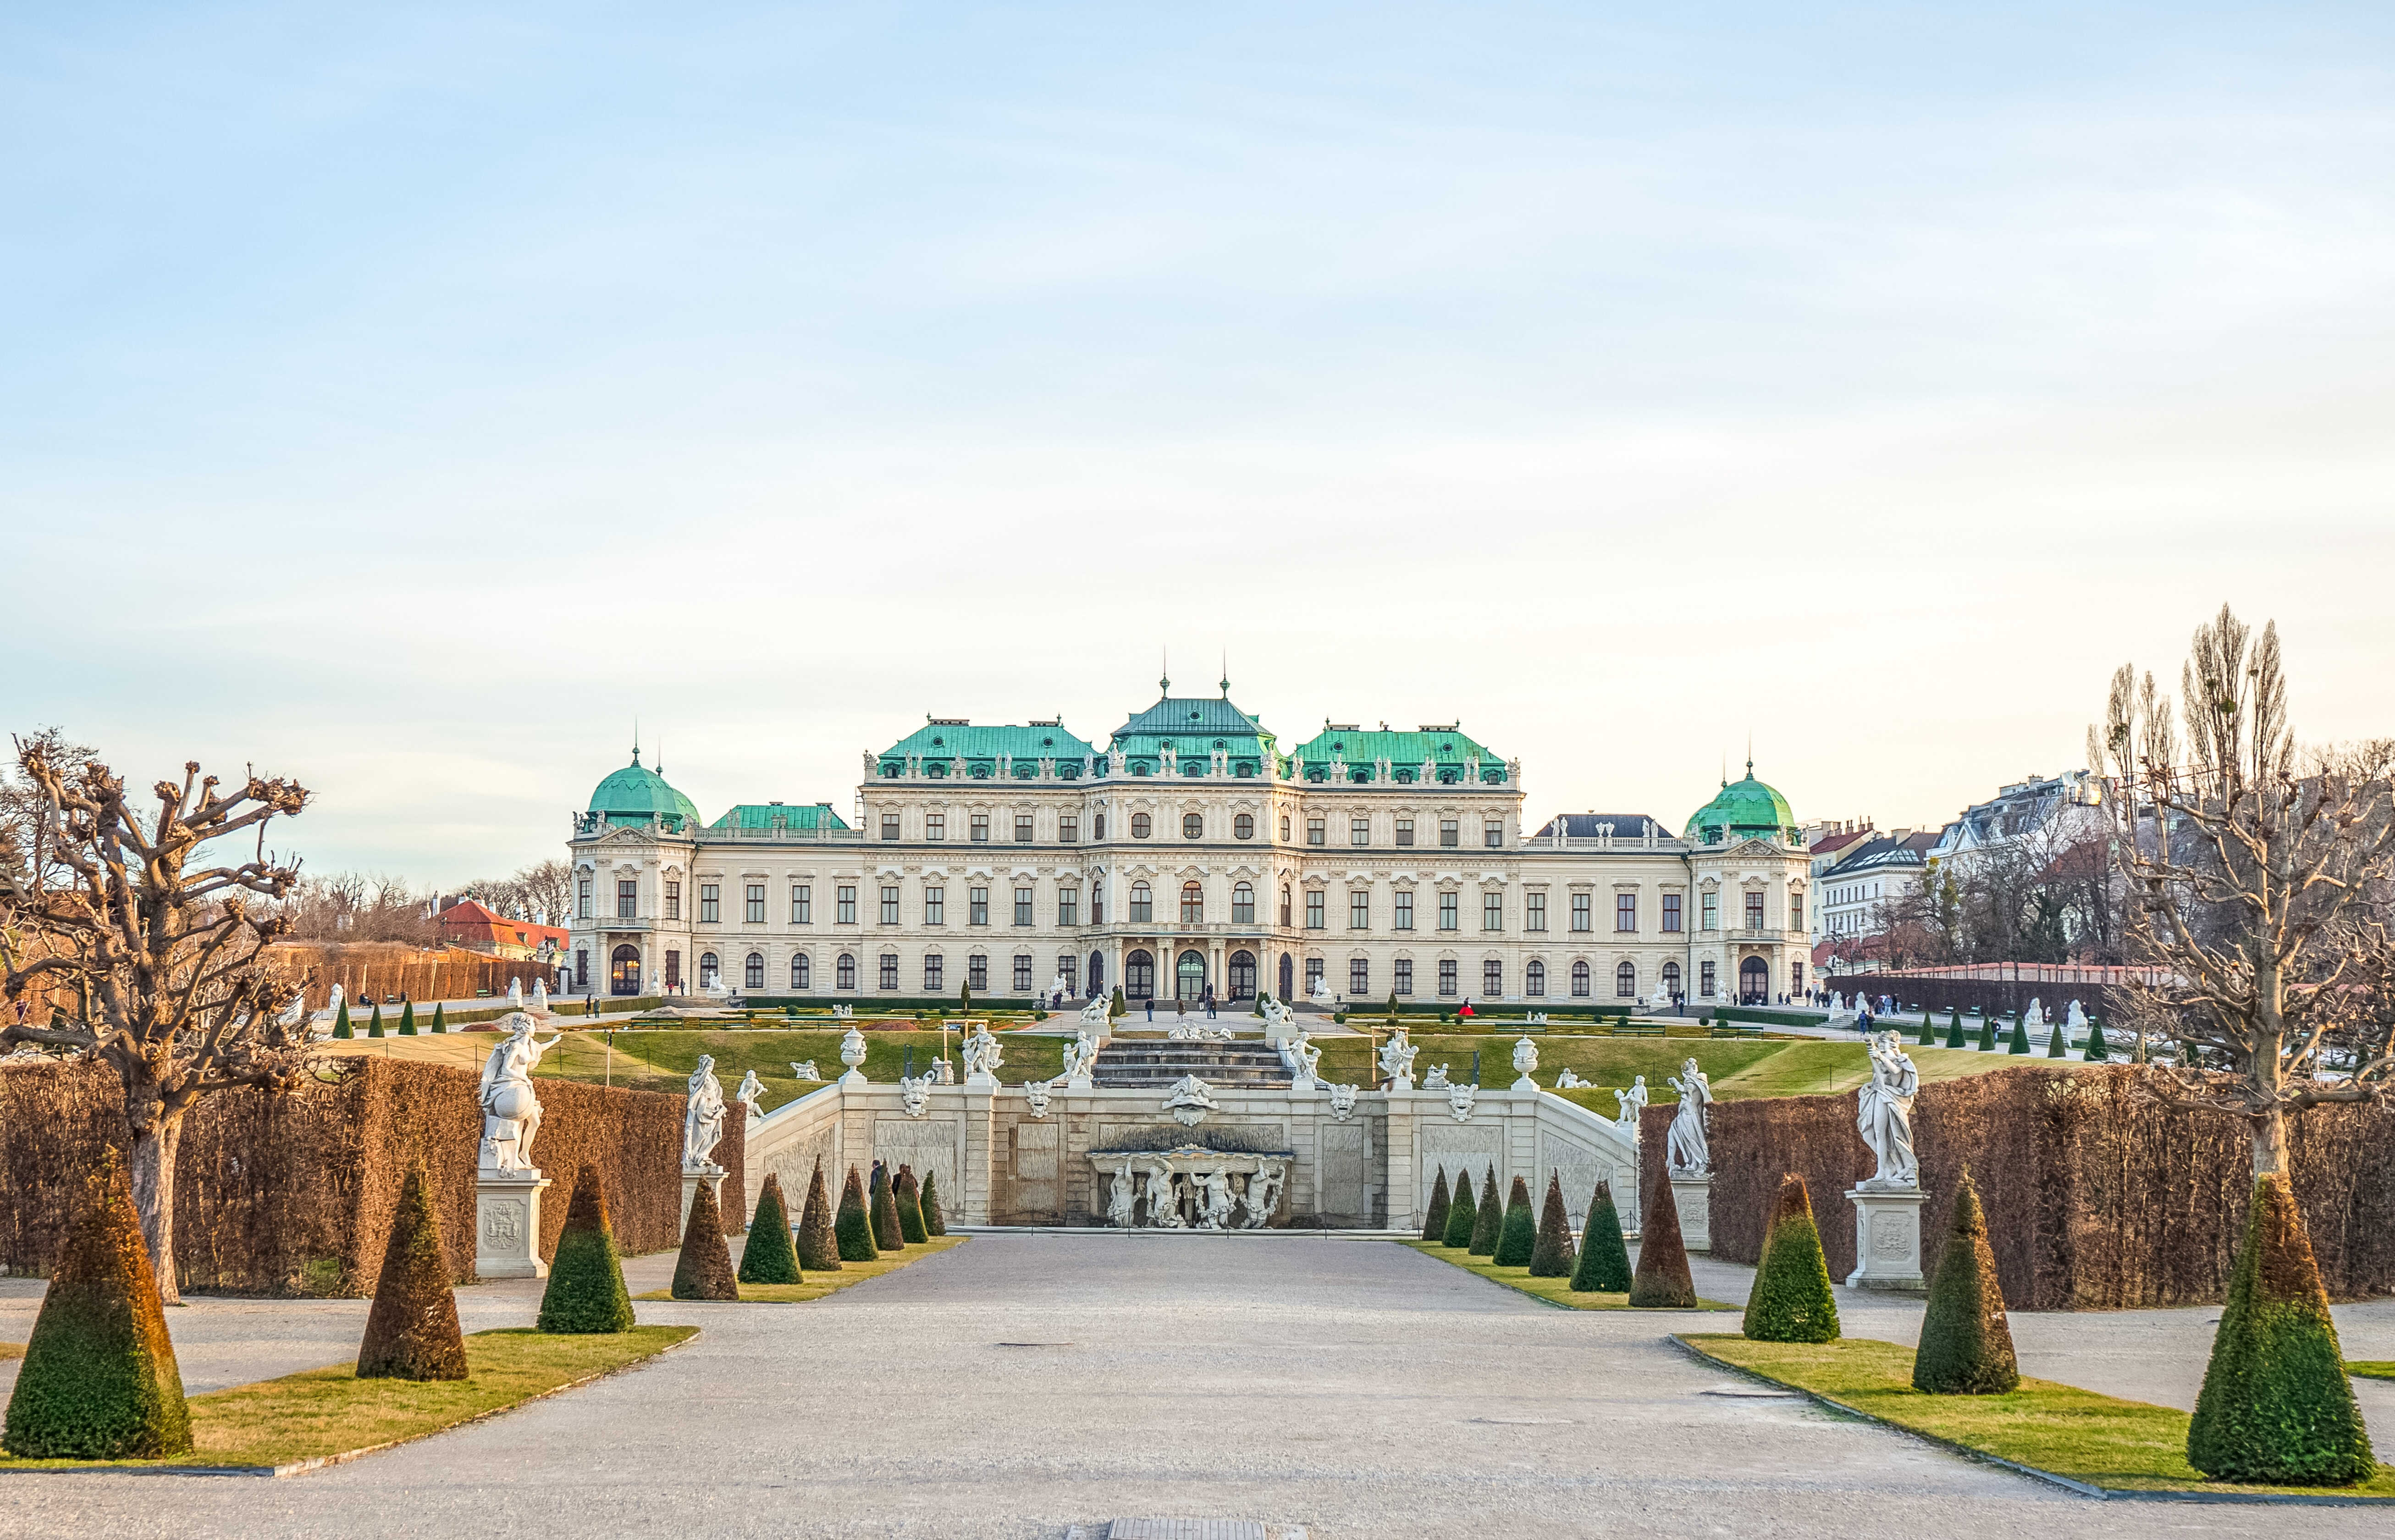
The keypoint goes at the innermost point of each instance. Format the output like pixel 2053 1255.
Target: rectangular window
pixel 1404 918
pixel 935 906
pixel 890 970
pixel 1625 911
pixel 935 826
pixel 1493 833
pixel 582 962
pixel 1070 966
pixel 1446 915
pixel 1405 981
pixel 844 972
pixel 977 972
pixel 1314 831
pixel 977 905
pixel 1021 973
pixel 1709 907
pixel 1580 980
pixel 1359 909
pixel 673 971
pixel 1023 828
pixel 1796 911
pixel 1243 905
pixel 844 901
pixel 1360 832
pixel 935 975
pixel 1314 909
pixel 890 826
pixel 582 898
pixel 1312 973
pixel 1097 826
pixel 1580 907
pixel 803 904
pixel 1671 913
pixel 889 904
pixel 1447 977
pixel 752 908
pixel 981 828
pixel 1068 906
pixel 1142 903
pixel 627 898
pixel 1068 828
pixel 1796 977
pixel 1359 977
pixel 1705 978
pixel 1492 978
pixel 1284 907
pixel 1448 837
pixel 710 903
pixel 673 900
pixel 1754 911
pixel 1023 907
pixel 1492 912
pixel 1405 832
pixel 1534 915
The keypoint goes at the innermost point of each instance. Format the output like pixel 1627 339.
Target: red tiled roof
pixel 468 920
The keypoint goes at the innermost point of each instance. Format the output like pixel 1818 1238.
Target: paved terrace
pixel 1025 1383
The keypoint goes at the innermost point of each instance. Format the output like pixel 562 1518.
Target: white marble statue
pixel 510 1110
pixel 751 1094
pixel 803 1070
pixel 1459 1101
pixel 1660 999
pixel 1198 1031
pixel 540 996
pixel 1303 1060
pixel 1120 1198
pixel 1883 1114
pixel 1566 1081
pixel 851 1053
pixel 1343 1102
pixel 982 1056
pixel 1526 1064
pixel 1189 1100
pixel 702 1121
pixel 943 1073
pixel 333 1003
pixel 1631 1102
pixel 1057 987
pixel 1163 1204
pixel 1436 1079
pixel 1321 991
pixel 2076 1020
pixel 1397 1061
pixel 1687 1151
pixel 1080 1058
pixel 1094 1013
pixel 515 994
pixel 2033 1019
pixel 915 1095
pixel 1264 1194
pixel 1035 1093
pixel 1537 1018
pixel 843 1013
pixel 1215 1200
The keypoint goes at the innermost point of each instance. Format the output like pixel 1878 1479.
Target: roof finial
pixel 1749 753
pixel 636 740
pixel 1725 770
pixel 1226 673
pixel 1164 673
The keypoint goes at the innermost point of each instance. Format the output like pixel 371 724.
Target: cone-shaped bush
pixel 407 1018
pixel 769 1257
pixel 929 1202
pixel 2099 1051
pixel 704 1268
pixel 440 1018
pixel 1955 1031
pixel 2058 1042
pixel 883 1206
pixel 853 1228
pixel 1488 1221
pixel 1434 1218
pixel 818 1246
pixel 1928 1031
pixel 1988 1034
pixel 2276 1406
pixel 1662 1281
pixel 586 1278
pixel 341 1028
pixel 1551 1257
pixel 373 1023
pixel 1462 1212
pixel 2019 1043
pixel 1966 1345
pixel 910 1208
pixel 1791 1300
pixel 98 1380
pixel 412 1330
pixel 1518 1241
pixel 1604 1266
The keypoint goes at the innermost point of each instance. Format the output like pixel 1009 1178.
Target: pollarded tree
pixel 117 946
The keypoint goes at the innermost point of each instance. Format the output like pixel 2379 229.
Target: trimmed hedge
pixel 1551 1257
pixel 1488 1220
pixel 1765 1015
pixel 1791 1300
pixel 854 1226
pixel 1435 1216
pixel 1663 1281
pixel 704 1268
pixel 1604 1266
pixel 1517 1240
pixel 910 1210
pixel 1967 1344
pixel 883 1206
pixel 770 1257
pixel 819 1246
pixel 928 1201
pixel 412 1332
pixel 586 1291
pixel 1462 1211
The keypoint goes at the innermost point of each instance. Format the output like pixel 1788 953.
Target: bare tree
pixel 355 906
pixel 2254 883
pixel 134 958
pixel 547 889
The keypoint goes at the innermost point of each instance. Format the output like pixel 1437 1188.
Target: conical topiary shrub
pixel 1954 1030
pixel 1604 1266
pixel 440 1018
pixel 2019 1043
pixel 1928 1031
pixel 1434 1218
pixel 1552 1256
pixel 1662 1282
pixel 818 1246
pixel 407 1018
pixel 883 1206
pixel 1488 1220
pixel 341 1028
pixel 1463 1210
pixel 98 1380
pixel 929 1202
pixel 910 1211
pixel 769 1257
pixel 373 1023
pixel 412 1331
pixel 1791 1300
pixel 2099 1050
pixel 2276 1406
pixel 2058 1042
pixel 704 1268
pixel 586 1278
pixel 853 1228
pixel 1987 1034
pixel 1517 1240
pixel 1966 1345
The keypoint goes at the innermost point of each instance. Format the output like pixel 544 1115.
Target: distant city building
pixel 467 923
pixel 1859 888
pixel 2062 808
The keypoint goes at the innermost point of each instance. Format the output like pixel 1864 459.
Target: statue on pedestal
pixel 702 1121
pixel 1884 1115
pixel 751 1094
pixel 1397 1061
pixel 982 1056
pixel 1436 1079
pixel 1526 1061
pixel 1264 1194
pixel 803 1070
pixel 1687 1151
pixel 1119 1198
pixel 1631 1102
pixel 510 1110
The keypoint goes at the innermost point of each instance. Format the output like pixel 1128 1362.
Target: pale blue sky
pixel 450 385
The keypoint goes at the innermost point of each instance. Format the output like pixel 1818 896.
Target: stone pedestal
pixel 1887 1239
pixel 1692 1199
pixel 691 1179
pixel 507 1224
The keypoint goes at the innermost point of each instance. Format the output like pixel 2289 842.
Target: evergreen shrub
pixel 1790 1301
pixel 770 1257
pixel 586 1290
pixel 704 1268
pixel 818 1245
pixel 1434 1218
pixel 1987 1034
pixel 2058 1042
pixel 1488 1221
pixel 1603 1265
pixel 853 1228
pixel 2099 1051
pixel 374 1024
pixel 1551 1257
pixel 1461 1211
pixel 928 1201
pixel 407 1018
pixel 1967 1344
pixel 341 1028
pixel 412 1331
pixel 1519 1237
pixel 2019 1043
pixel 1928 1031
pixel 1662 1282
pixel 1955 1031
pixel 910 1213
pixel 440 1018
pixel 883 1206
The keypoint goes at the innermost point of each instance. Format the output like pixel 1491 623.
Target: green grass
pixel 2369 1369
pixel 821 1283
pixel 1555 1291
pixel 11 1350
pixel 663 1060
pixel 329 1413
pixel 2119 1445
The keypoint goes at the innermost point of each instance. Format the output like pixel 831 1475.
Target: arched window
pixel 1672 979
pixel 1189 976
pixel 1243 904
pixel 1288 975
pixel 1193 825
pixel 800 972
pixel 1142 903
pixel 752 972
pixel 845 974
pixel 1755 982
pixel 1244 826
pixel 710 969
pixel 1534 978
pixel 1243 976
pixel 1284 908
pixel 624 971
pixel 1139 974
pixel 1625 981
pixel 1193 904
pixel 935 974
pixel 1579 979
pixel 1139 825
pixel 1097 902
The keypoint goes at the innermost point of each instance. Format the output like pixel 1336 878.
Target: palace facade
pixel 1188 853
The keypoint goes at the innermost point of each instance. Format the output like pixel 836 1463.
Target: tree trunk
pixel 2270 1142
pixel 153 1170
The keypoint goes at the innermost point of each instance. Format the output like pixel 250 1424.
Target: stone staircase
pixel 1160 1064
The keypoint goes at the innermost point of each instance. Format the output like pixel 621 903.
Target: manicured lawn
pixel 2379 1369
pixel 1555 1291
pixel 2120 1445
pixel 818 1284
pixel 325 1414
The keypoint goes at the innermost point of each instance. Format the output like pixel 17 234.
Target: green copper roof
pixel 940 744
pixel 636 794
pixel 1741 808
pixel 1195 729
pixel 1445 749
pixel 780 816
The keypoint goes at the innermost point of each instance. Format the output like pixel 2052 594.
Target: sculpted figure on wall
pixel 510 1110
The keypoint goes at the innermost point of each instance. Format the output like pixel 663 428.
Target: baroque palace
pixel 1189 855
